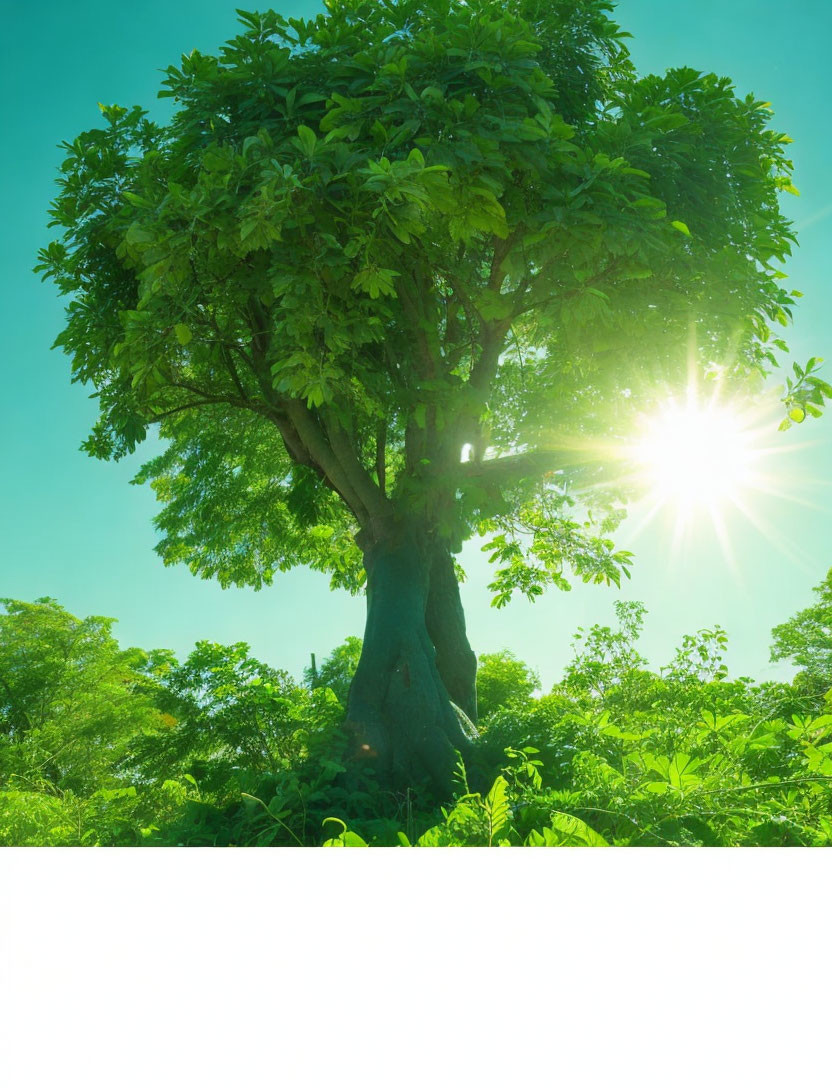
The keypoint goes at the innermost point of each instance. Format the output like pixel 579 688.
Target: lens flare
pixel 706 465
pixel 696 457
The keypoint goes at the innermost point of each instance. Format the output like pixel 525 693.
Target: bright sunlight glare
pixel 695 456
pixel 705 462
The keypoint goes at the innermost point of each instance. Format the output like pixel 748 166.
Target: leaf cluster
pixel 102 746
pixel 370 240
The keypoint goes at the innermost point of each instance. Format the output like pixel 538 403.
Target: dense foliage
pixel 103 746
pixel 399 274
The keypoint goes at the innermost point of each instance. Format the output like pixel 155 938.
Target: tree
pixel 337 670
pixel 70 699
pixel 226 713
pixel 391 277
pixel 503 679
pixel 602 657
pixel 806 640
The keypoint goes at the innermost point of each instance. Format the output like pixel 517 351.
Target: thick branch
pixel 328 447
pixel 492 340
pixel 502 248
pixel 228 362
pixel 303 438
pixel 318 446
pixel 532 463
pixel 294 444
pixel 411 310
pixel 371 494
pixel 292 441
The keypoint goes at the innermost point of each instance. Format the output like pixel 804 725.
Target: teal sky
pixel 72 527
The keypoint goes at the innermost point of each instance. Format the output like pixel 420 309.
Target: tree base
pixel 400 715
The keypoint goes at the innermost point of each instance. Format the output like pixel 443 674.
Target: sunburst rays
pixel 699 464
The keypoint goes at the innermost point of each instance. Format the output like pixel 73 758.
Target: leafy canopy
pixel 806 639
pixel 410 260
pixel 503 679
pixel 70 699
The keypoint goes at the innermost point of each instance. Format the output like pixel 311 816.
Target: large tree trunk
pixel 399 712
pixel 445 621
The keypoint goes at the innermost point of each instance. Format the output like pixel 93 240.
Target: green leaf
pixel 137 235
pixel 566 830
pixel 575 832
pixel 183 334
pixel 497 807
pixel 306 140
pixel 680 226
pixel 375 281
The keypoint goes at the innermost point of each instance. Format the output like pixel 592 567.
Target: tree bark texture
pixel 445 622
pixel 415 665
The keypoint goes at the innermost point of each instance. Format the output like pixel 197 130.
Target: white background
pixel 393 967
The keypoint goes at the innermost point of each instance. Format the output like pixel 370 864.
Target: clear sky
pixel 72 527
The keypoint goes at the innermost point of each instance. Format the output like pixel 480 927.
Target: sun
pixel 696 457
pixel 711 464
